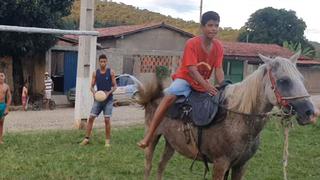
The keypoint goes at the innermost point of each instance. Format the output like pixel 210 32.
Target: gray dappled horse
pixel 231 142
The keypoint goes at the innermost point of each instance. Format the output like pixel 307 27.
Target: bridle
pixel 281 100
pixel 284 105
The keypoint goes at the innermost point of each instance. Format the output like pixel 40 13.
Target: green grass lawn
pixel 57 155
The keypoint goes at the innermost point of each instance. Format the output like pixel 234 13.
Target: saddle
pixel 199 108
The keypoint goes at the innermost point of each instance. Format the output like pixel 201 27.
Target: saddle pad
pixel 200 108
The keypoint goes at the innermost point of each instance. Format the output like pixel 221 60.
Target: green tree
pixel 36 13
pixel 275 26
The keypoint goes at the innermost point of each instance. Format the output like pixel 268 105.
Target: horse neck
pixel 248 99
pixel 249 96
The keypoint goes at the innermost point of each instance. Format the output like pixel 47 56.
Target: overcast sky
pixel 234 13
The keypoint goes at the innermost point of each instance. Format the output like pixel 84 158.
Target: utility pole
pixel 86 64
pixel 200 10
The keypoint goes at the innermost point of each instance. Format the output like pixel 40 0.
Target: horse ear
pixel 265 59
pixel 295 57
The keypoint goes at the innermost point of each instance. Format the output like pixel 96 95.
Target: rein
pixel 286 122
pixel 285 118
pixel 281 101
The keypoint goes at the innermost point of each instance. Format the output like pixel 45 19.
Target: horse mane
pixel 243 96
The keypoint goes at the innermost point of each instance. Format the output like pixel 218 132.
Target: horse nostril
pixel 309 112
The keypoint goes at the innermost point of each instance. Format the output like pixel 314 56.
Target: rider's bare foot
pixel 142 144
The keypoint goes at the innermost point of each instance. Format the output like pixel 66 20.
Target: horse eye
pixel 283 81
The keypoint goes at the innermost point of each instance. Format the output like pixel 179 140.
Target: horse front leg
pixel 238 172
pixel 166 156
pixel 220 168
pixel 149 150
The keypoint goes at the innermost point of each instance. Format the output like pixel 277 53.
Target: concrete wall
pixel 312 78
pixel 146 77
pixel 116 61
pixel 108 43
pixel 154 42
pixel 155 39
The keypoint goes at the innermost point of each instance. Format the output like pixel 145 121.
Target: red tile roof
pixel 253 49
pixel 118 31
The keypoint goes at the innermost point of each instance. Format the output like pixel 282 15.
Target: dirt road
pixel 63 118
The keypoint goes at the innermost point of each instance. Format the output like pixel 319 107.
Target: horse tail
pixel 150 92
pixel 149 97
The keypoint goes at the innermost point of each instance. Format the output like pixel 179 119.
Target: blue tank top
pixel 104 81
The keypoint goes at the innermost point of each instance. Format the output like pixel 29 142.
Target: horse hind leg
pixel 238 172
pixel 149 150
pixel 166 156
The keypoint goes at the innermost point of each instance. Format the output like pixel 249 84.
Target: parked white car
pixel 127 88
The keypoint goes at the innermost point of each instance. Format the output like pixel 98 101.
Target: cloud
pixel 184 9
pixel 178 6
pixel 184 6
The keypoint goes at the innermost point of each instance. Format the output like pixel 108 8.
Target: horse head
pixel 285 88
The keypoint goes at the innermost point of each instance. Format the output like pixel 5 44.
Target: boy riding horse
pixel 202 55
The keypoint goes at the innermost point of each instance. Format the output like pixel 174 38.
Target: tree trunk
pixel 17 74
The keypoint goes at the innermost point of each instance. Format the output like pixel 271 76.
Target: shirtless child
pixel 5 101
pixel 24 96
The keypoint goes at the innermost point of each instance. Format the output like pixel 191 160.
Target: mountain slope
pixel 109 13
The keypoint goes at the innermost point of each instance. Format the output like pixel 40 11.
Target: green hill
pixel 109 14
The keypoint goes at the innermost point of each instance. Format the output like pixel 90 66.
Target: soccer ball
pixel 100 96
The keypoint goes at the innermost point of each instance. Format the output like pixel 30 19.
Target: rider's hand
pixel 211 90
